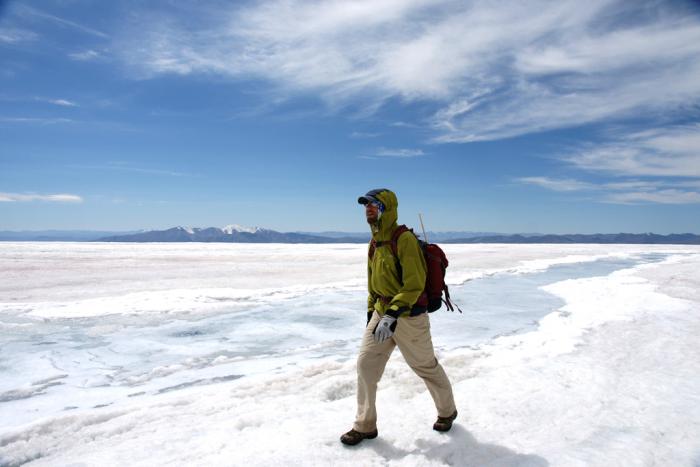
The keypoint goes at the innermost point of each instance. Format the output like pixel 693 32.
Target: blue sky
pixel 512 116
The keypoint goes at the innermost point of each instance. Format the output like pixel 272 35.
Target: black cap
pixel 371 196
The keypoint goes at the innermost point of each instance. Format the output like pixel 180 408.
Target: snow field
pixel 609 378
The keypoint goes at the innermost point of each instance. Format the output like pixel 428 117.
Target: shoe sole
pixel 442 430
pixel 446 426
pixel 364 437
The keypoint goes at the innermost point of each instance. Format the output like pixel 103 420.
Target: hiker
pixel 393 320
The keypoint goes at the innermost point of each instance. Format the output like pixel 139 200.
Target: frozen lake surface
pixel 109 353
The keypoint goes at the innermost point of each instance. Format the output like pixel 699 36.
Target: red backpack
pixel 431 298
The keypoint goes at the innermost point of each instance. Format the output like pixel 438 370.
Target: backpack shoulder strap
pixel 395 248
pixel 393 243
pixel 395 239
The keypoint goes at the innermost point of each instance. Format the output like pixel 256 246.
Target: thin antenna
pixel 425 236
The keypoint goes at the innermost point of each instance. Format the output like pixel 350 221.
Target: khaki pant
pixel 413 339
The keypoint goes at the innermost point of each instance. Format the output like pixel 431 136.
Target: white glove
pixel 385 329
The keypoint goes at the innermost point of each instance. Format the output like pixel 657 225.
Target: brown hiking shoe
pixel 354 437
pixel 444 423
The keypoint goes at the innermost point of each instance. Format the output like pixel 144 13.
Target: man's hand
pixel 385 329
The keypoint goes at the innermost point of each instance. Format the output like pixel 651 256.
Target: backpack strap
pixel 448 302
pixel 393 243
pixel 395 239
pixel 395 248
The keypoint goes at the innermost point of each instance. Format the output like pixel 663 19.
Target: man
pixel 393 320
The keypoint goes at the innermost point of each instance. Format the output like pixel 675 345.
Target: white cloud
pixel 364 135
pixel 667 158
pixel 396 152
pixel 40 121
pixel 616 49
pixel 85 56
pixel 59 102
pixel 689 184
pixel 658 197
pixel 625 192
pixel 491 69
pixel 670 152
pixel 16 35
pixel 58 198
pixel 642 185
pixel 401 124
pixel 25 10
pixel 62 102
pixel 557 185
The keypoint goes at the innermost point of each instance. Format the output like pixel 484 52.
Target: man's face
pixel 371 213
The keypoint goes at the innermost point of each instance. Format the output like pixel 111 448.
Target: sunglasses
pixel 376 205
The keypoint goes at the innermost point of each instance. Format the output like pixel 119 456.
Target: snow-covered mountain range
pixel 239 234
pixel 230 234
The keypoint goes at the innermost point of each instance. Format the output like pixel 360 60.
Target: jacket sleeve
pixel 371 296
pixel 413 269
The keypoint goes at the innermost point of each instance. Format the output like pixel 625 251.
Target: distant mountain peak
pixel 189 230
pixel 229 229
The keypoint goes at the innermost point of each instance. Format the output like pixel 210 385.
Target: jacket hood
pixel 382 230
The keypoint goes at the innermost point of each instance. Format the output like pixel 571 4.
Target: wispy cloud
pixel 491 69
pixel 85 56
pixel 63 102
pixel 31 11
pixel 26 197
pixel 47 100
pixel 81 124
pixel 364 135
pixel 36 120
pixel 654 166
pixel 625 192
pixel 659 197
pixel 402 124
pixel 16 35
pixel 669 152
pixel 566 184
pixel 399 152
pixel 59 102
pixel 127 168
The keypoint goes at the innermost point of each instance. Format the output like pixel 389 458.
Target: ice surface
pixel 146 354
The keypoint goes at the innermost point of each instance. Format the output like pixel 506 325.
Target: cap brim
pixel 366 200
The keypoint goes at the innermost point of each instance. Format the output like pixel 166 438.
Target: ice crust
pixel 609 376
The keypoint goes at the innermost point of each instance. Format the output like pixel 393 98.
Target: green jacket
pixel 382 275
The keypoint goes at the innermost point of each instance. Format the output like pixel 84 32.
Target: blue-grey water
pixel 510 303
